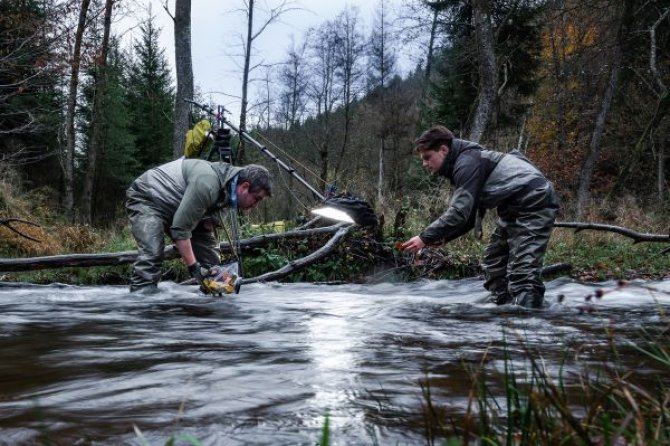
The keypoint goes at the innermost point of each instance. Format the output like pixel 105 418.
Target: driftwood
pixel 636 236
pixel 125 257
pixel 298 264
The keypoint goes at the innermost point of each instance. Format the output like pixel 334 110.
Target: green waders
pixel 149 228
pixel 512 261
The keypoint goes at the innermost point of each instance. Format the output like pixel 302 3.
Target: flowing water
pixel 83 365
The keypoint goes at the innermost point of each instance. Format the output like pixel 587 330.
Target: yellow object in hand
pixel 218 288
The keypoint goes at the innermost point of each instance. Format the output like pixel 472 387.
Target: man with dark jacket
pixel 525 202
pixel 187 199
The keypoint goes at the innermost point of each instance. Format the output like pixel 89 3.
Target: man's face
pixel 432 159
pixel 247 199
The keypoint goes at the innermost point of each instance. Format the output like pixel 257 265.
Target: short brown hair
pixel 433 138
pixel 258 178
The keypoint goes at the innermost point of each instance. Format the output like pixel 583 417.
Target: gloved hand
pixel 200 274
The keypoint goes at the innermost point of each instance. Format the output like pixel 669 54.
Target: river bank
pixel 364 257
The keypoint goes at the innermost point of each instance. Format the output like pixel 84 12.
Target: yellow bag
pixel 198 140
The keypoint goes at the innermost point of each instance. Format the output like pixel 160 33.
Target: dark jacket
pixel 486 179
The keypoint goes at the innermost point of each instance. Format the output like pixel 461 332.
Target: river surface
pixel 97 365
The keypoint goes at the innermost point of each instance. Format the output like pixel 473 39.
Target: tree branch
pixel 7 222
pixel 297 265
pixel 636 236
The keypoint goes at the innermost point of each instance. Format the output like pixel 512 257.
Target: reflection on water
pixel 83 364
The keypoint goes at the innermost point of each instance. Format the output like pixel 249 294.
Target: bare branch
pixel 166 7
pixel 636 236
pixel 7 222
pixel 297 265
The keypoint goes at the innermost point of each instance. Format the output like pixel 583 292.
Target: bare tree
pixel 322 91
pixel 382 59
pixel 293 77
pixel 265 102
pixel 184 70
pixel 599 127
pixel 75 62
pixel 253 32
pixel 350 51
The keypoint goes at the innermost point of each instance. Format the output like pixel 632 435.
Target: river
pixel 84 365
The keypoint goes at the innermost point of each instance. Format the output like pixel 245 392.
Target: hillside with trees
pixel 580 86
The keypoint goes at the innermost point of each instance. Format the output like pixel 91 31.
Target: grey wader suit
pixel 526 205
pixel 185 199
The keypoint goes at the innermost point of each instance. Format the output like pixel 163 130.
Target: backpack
pixel 198 139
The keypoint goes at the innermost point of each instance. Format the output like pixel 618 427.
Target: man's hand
pixel 200 274
pixel 414 244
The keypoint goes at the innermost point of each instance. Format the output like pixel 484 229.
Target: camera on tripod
pixel 222 146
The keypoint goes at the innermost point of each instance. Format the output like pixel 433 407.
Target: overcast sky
pixel 218 27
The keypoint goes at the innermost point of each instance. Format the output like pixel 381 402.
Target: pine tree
pixel 150 99
pixel 118 164
pixel 517 48
pixel 30 100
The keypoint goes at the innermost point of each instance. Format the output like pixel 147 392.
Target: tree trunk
pixel 70 136
pixel 184 69
pixel 488 72
pixel 241 155
pixel 594 148
pixel 323 155
pixel 661 180
pixel 170 252
pixel 380 178
pixel 97 140
pixel 560 86
pixel 429 55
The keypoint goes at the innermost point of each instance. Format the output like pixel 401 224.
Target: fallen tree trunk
pixel 126 257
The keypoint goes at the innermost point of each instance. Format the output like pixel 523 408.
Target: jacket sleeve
pixel 201 194
pixel 459 218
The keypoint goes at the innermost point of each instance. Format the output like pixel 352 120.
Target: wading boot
pixel 501 298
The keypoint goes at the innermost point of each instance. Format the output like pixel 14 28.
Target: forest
pixel 579 86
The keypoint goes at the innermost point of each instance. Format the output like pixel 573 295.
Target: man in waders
pixel 186 199
pixel 525 202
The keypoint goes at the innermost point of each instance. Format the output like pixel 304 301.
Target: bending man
pixel 186 199
pixel 525 202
